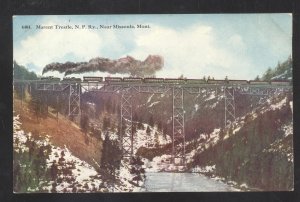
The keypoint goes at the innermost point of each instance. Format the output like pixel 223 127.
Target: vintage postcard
pixel 153 103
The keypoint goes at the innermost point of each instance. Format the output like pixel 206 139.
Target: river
pixel 183 182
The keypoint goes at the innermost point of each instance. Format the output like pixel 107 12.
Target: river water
pixel 183 182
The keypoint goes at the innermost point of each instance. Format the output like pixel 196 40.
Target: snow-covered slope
pixel 74 174
pixel 154 139
pixel 264 135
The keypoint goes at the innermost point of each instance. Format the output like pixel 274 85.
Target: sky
pixel 240 46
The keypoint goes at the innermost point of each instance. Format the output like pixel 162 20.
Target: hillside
pixel 55 155
pixel 62 133
pixel 256 149
pixel 283 71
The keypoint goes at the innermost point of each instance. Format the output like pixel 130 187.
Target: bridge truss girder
pixel 90 87
pixel 51 86
pixel 151 89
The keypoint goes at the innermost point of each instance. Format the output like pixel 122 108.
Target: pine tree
pixel 111 158
pixel 156 139
pixel 106 123
pixel 20 72
pixel 137 169
pixel 165 130
pixel 134 130
pixel 135 117
pixel 84 123
pixel 140 125
pixel 151 121
pixel 53 170
pixel 268 75
pixel 159 125
pixel 148 130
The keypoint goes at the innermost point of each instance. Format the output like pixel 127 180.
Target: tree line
pixel 283 70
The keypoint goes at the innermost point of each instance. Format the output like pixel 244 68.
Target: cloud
pixel 193 52
pixel 47 46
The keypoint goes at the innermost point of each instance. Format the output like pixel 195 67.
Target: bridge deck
pixel 158 84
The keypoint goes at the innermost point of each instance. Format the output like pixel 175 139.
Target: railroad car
pixel 195 81
pixel 50 78
pixel 113 79
pixel 212 81
pixel 169 80
pixel 252 82
pixel 132 79
pixel 153 80
pixel 73 79
pixel 237 81
pixel 92 79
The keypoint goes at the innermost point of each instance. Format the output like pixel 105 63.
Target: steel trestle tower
pixel 178 143
pixel 229 105
pixel 126 123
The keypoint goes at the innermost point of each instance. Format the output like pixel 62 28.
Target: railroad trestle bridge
pixel 127 91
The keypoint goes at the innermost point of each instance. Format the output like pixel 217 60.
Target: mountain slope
pixel 62 133
pixel 257 149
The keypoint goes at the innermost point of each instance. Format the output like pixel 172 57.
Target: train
pixel 92 79
pixel 50 78
pixel 71 79
pixel 168 80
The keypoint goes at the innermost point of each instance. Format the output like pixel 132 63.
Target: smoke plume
pixel 126 65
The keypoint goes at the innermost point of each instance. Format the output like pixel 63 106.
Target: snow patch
pixel 288 129
pixel 291 105
pixel 205 169
pixel 278 105
pixel 154 139
pixel 154 103
pixel 211 96
pixel 196 107
pixel 149 99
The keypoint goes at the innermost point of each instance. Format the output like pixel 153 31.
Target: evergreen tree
pixel 135 117
pixel 151 121
pixel 137 169
pixel 148 130
pixel 21 73
pixel 268 75
pixel 53 170
pixel 134 125
pixel 111 158
pixel 30 169
pixel 108 106
pixel 140 125
pixel 159 125
pixel 156 140
pixel 84 123
pixel 106 123
pixel 165 130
